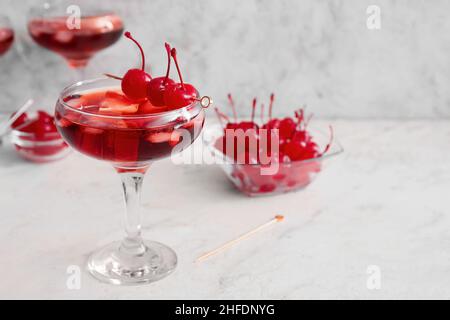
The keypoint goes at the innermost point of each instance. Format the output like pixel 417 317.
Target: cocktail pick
pixel 7 126
pixel 277 218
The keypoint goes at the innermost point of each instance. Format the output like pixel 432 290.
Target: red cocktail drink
pixel 97 119
pixel 104 124
pixel 76 43
pixel 130 124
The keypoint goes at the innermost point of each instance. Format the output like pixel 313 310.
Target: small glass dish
pixel 287 176
pixel 46 148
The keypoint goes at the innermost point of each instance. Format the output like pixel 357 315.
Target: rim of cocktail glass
pixel 104 13
pixel 44 9
pixel 336 148
pixel 65 92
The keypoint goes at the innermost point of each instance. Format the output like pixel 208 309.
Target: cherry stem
pixel 253 108
pixel 299 114
pixel 168 49
pixel 113 76
pixel 262 113
pixel 219 116
pixel 272 97
pixel 224 116
pixel 128 35
pixel 327 147
pixel 233 106
pixel 173 53
pixel 308 120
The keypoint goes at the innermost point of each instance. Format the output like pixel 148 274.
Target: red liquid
pixel 120 140
pixel 6 39
pixel 76 45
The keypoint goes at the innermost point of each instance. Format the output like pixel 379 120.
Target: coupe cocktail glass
pixel 130 142
pixel 76 38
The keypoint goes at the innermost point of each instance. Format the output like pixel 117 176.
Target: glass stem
pixel 79 73
pixel 132 184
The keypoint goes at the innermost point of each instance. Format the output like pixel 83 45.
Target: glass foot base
pixel 112 264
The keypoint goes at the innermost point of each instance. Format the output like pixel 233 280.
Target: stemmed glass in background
pixel 6 34
pixel 130 142
pixel 54 26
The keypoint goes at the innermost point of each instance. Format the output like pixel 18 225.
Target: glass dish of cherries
pixel 273 156
pixel 36 138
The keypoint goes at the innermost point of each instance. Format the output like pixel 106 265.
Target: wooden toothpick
pixel 246 235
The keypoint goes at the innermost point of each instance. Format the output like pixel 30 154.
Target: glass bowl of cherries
pixel 274 156
pixel 35 138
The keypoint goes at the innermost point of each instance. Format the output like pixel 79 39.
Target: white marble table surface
pixel 383 202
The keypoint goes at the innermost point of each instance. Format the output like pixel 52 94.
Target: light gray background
pixel 381 202
pixel 306 51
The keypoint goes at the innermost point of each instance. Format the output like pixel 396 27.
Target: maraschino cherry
pixel 136 81
pixel 157 86
pixel 181 94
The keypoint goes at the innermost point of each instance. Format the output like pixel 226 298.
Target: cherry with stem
pixel 135 81
pixel 181 94
pixel 157 86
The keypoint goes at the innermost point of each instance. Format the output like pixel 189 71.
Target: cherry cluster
pixel 294 140
pixel 163 92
